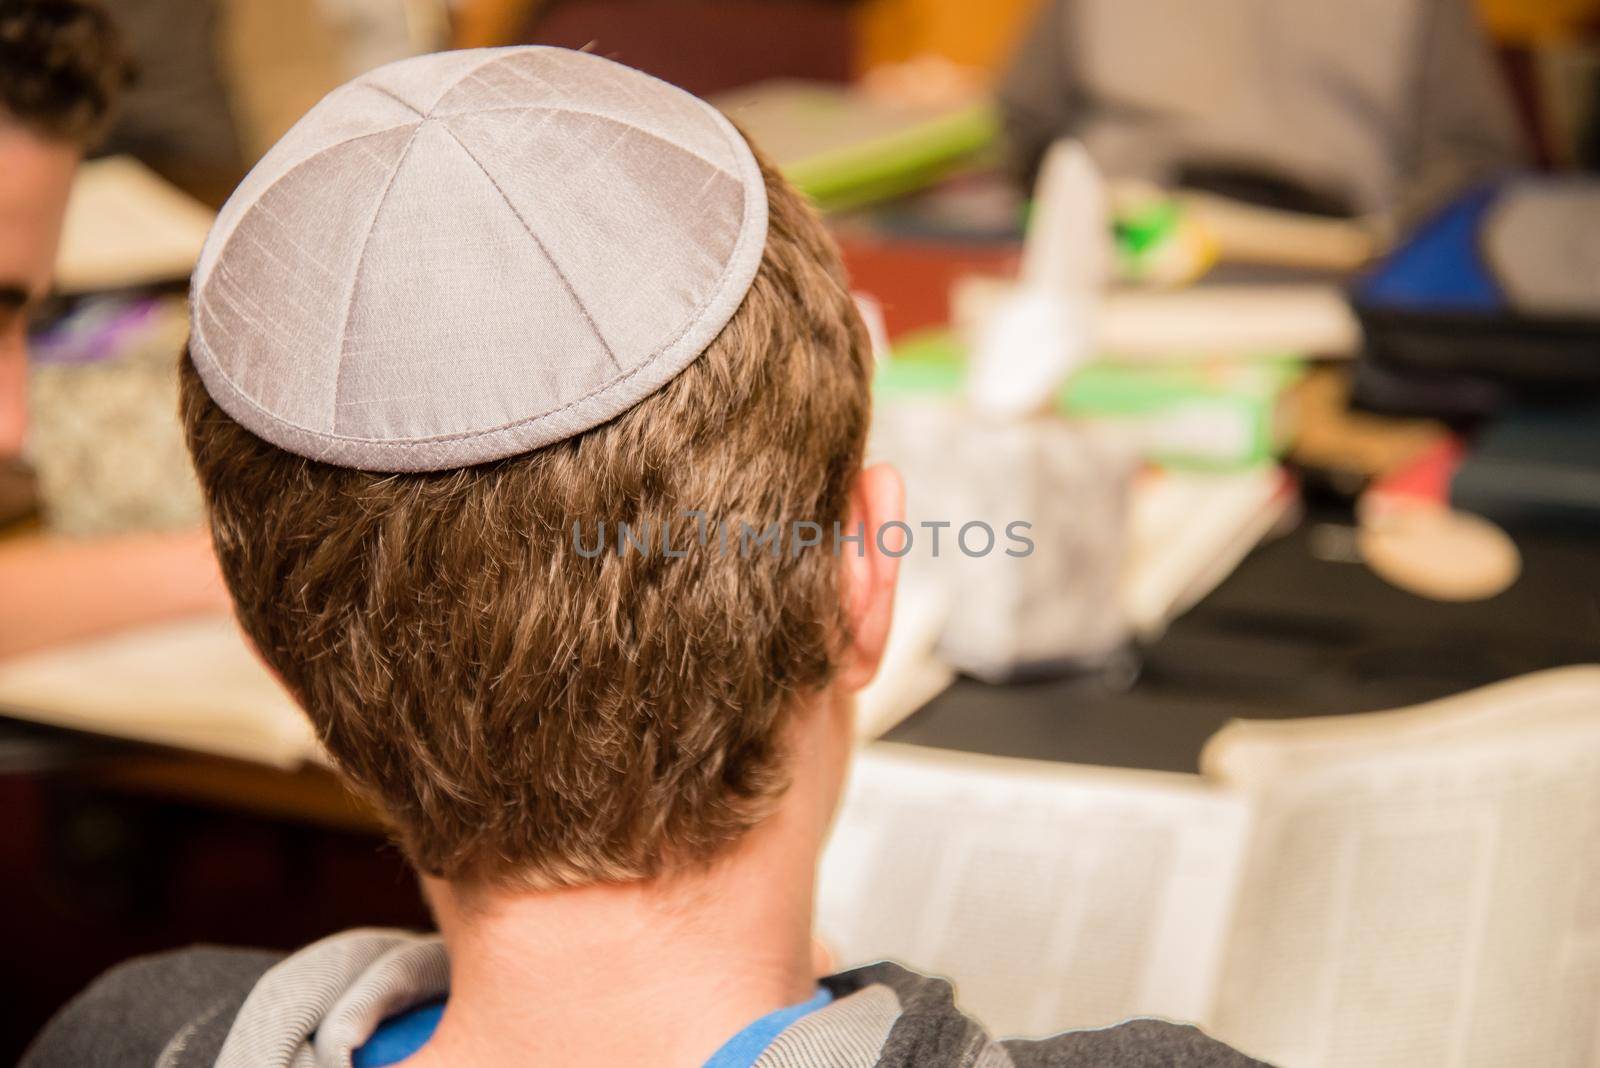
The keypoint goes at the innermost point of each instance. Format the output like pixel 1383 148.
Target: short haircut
pixel 527 714
pixel 62 66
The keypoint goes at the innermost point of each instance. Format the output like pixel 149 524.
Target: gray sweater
pixel 1391 105
pixel 235 1008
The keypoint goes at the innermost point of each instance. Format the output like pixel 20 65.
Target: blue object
pixel 400 1036
pixel 742 1049
pixel 1441 267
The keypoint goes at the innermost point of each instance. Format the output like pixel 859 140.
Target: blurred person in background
pixel 1382 108
pixel 61 70
pixel 178 115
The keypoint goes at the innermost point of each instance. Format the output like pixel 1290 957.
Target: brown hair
pixel 523 713
pixel 62 66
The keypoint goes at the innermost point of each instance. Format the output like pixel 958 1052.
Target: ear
pixel 869 573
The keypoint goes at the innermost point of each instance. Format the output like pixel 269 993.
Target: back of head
pixel 476 315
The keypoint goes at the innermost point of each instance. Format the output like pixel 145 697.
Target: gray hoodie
pixel 233 1008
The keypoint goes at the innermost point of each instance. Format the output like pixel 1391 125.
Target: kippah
pixel 464 256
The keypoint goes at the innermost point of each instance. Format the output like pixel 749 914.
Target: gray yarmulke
pixel 468 255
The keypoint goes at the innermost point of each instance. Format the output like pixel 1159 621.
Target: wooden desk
pixel 311 795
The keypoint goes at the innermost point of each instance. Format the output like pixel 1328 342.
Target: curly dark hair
pixel 62 66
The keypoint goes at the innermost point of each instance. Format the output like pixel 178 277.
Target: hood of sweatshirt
pixel 206 1007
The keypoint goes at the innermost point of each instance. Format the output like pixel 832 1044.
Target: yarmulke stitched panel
pixel 468 255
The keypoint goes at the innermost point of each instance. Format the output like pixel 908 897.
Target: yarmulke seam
pixel 668 358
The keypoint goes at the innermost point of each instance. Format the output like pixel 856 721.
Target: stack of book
pixel 1209 430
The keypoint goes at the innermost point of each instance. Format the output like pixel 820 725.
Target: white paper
pixel 193 685
pixel 127 226
pixel 1055 896
pixel 1429 898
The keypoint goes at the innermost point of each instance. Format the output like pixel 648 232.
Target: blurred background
pixel 1276 321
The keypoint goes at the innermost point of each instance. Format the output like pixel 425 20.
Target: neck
pixel 660 972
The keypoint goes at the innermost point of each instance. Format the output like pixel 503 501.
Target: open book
pixel 192 685
pixel 127 226
pixel 1409 888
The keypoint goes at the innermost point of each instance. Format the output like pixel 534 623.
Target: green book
pixel 1201 414
pixel 1206 414
pixel 926 362
pixel 844 147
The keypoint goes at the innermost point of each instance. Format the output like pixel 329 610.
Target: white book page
pixel 1145 325
pixel 127 226
pixel 193 685
pixel 1056 896
pixel 1433 900
pixel 1223 320
pixel 1188 531
pixel 1250 752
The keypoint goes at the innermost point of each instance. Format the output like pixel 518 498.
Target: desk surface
pixel 1287 635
